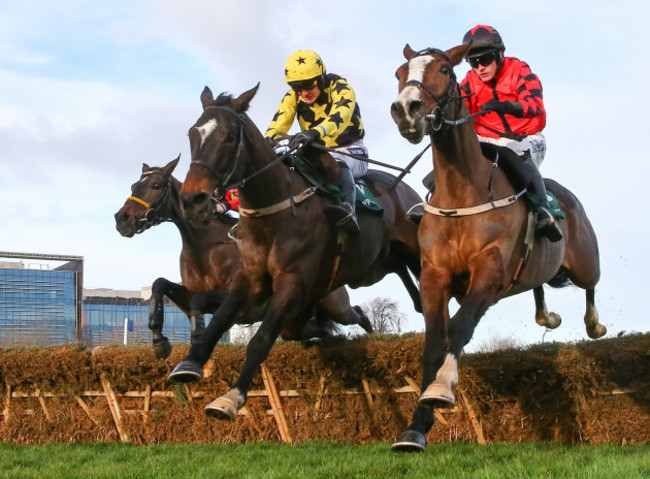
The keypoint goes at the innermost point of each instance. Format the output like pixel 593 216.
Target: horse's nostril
pixel 414 107
pixel 200 198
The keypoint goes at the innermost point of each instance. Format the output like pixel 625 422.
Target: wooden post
pixel 416 389
pixel 86 409
pixel 41 401
pixel 368 392
pixel 473 419
pixel 114 408
pixel 321 393
pixel 7 400
pixel 147 398
pixel 274 399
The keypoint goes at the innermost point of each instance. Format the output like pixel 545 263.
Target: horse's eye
pixel 156 186
pixel 231 137
pixel 397 75
pixel 445 70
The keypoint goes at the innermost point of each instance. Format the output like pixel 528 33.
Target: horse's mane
pixel 224 99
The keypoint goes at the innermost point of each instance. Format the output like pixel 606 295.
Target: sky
pixel 90 90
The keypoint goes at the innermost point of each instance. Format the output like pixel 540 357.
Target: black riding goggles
pixel 299 86
pixel 483 60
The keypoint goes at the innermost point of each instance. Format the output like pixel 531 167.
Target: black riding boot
pixel 523 173
pixel 343 214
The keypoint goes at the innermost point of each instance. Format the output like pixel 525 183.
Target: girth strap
pixel 472 210
pixel 282 205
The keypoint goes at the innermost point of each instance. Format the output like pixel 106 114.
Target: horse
pixel 474 248
pixel 208 261
pixel 291 254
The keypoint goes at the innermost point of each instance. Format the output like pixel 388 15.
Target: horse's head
pixel 426 83
pixel 149 196
pixel 220 151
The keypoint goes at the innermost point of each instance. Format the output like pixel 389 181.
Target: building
pixel 45 305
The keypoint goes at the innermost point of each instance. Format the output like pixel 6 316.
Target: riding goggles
pixel 483 60
pixel 299 86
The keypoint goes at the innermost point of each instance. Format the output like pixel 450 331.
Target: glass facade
pixel 38 307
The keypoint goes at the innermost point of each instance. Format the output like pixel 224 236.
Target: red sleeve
pixel 529 92
pixel 232 197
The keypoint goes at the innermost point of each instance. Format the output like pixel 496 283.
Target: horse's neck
pixel 272 186
pixel 461 173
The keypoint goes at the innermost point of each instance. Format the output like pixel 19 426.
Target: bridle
pixel 436 118
pixel 222 190
pixel 152 217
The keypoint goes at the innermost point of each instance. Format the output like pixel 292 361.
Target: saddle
pixel 365 198
pixel 494 152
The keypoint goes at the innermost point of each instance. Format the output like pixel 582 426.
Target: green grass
pixel 325 460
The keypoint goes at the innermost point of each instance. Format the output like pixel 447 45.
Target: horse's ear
pixel 145 167
pixel 458 53
pixel 169 169
pixel 241 103
pixel 207 98
pixel 408 52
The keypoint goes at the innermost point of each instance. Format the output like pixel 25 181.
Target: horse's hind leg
pixel 542 316
pixel 337 307
pixel 202 303
pixel 595 330
pixel 179 295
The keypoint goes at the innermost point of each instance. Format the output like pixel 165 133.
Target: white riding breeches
pixel 534 144
pixel 357 167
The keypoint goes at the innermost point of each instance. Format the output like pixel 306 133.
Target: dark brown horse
pixel 472 239
pixel 209 260
pixel 287 246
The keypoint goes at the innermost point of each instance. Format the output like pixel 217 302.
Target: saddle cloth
pixel 365 197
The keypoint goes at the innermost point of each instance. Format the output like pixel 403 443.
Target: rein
pixel 240 147
pixel 436 120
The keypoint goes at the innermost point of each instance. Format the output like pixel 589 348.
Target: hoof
pixel 410 441
pixel 438 396
pixel 162 348
pixel 222 408
pixel 597 331
pixel 554 320
pixel 186 372
pixel 364 322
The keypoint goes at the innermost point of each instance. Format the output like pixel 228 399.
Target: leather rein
pixel 222 190
pixel 436 119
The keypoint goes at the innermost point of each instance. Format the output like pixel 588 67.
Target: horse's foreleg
pixel 176 293
pixel 434 285
pixel 288 301
pixel 595 330
pixel 486 277
pixel 542 316
pixel 191 368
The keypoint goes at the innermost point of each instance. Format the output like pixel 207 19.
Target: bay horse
pixel 470 243
pixel 289 251
pixel 208 261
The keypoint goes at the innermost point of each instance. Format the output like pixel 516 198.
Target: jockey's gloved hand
pixel 282 147
pixel 506 107
pixel 303 138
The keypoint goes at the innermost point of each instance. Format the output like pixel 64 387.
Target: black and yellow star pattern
pixel 335 114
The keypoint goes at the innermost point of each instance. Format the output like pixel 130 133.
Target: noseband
pixel 437 118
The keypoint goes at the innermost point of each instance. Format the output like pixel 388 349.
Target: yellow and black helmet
pixel 303 65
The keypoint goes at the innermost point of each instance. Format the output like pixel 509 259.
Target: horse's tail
pixel 560 280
